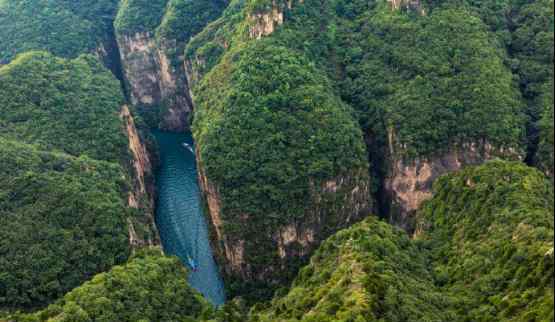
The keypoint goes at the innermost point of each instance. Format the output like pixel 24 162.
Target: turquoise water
pixel 179 216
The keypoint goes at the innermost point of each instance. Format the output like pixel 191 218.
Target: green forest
pixel 356 161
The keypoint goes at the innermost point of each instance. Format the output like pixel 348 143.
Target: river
pixel 179 214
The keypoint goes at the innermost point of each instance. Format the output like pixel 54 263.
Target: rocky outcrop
pixel 409 182
pixel 409 5
pixel 140 196
pixel 264 24
pixel 153 81
pixel 340 203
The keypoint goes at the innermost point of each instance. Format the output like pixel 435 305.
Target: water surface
pixel 179 215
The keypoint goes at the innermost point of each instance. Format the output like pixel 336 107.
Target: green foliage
pixel 490 229
pixel 369 272
pixel 270 133
pixel 139 16
pixel 484 252
pixel 441 69
pixel 71 106
pixel 150 287
pixel 62 219
pixel 66 28
pixel 532 45
pixel 185 18
pixel 173 19
pixel 64 215
pixel 545 155
pixel 207 47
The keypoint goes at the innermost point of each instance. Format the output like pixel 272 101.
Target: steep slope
pixel 136 291
pixel 151 37
pixel 484 252
pixel 430 90
pixel 80 190
pixel 369 272
pixel 62 220
pixel 281 159
pixel 545 157
pixel 402 72
pixel 490 229
pixel 433 95
pixel 65 28
pixel 76 107
pixel 71 106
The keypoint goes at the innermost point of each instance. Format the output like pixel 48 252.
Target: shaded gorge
pixel 179 214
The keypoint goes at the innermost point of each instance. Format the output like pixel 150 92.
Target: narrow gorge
pixel 276 160
pixel 179 214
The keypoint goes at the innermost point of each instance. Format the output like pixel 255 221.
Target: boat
pixel 192 264
pixel 188 147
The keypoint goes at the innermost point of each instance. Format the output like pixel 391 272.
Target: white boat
pixel 192 264
pixel 188 147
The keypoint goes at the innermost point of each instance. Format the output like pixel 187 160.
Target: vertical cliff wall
pixel 281 168
pixel 409 181
pixel 154 83
pixel 142 229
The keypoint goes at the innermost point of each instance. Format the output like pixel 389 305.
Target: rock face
pixel 153 81
pixel 409 183
pixel 141 194
pixel 339 204
pixel 410 5
pixel 264 24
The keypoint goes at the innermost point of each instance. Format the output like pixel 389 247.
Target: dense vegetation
pixel 490 229
pixel 485 253
pixel 545 154
pixel 276 119
pixel 62 220
pixel 270 135
pixel 71 106
pixel 65 28
pixel 271 130
pixel 456 67
pixel 401 71
pixel 531 47
pixel 139 15
pixel 440 69
pixel 63 199
pixel 150 287
pixel 173 20
pixel 369 272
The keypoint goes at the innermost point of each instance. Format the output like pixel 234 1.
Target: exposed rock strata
pixel 140 196
pixel 337 204
pixel 153 81
pixel 409 182
pixel 264 24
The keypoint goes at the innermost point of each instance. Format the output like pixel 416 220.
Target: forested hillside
pixel 154 284
pixel 67 177
pixel 484 253
pixel 62 220
pixel 383 160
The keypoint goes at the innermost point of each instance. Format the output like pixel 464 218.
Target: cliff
pixel 265 22
pixel 336 204
pixel 293 181
pixel 151 38
pixel 141 195
pixel 492 222
pixel 364 273
pixel 154 83
pixel 409 181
